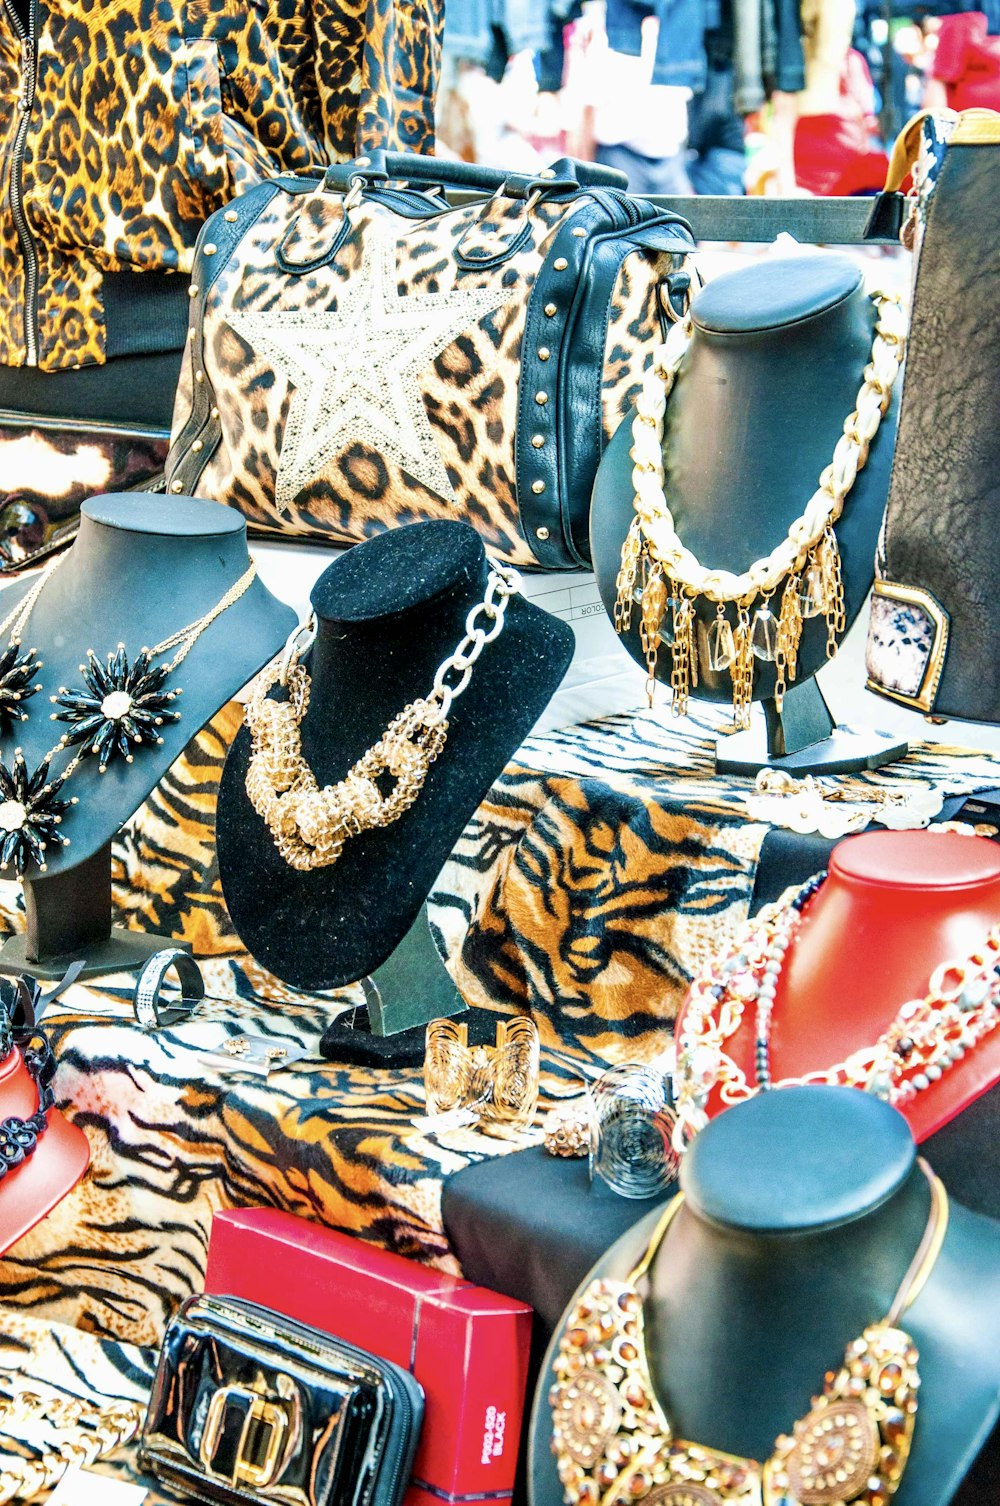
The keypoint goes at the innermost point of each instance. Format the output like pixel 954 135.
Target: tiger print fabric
pixel 146 116
pixel 607 863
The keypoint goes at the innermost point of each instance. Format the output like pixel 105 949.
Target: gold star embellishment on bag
pixel 355 371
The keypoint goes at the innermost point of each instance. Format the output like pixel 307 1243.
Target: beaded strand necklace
pixel 923 1040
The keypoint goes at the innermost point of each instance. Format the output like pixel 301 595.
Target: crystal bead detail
pixel 721 645
pixel 812 593
pixel 764 634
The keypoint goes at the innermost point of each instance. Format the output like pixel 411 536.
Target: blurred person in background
pixel 965 71
pixel 827 134
pixel 631 120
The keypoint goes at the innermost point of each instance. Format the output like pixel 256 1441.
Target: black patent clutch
pixel 252 1407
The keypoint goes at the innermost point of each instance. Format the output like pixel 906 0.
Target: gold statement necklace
pixel 615 1445
pixel 310 825
pixel 802 576
pixel 119 708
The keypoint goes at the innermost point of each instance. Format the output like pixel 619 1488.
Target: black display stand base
pixel 803 738
pixel 68 919
pixel 411 988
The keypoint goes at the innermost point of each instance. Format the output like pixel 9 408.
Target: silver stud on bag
pixel 538 487
pixel 543 352
pixel 209 248
pixel 541 533
pixel 579 232
pixel 538 440
pixel 197 445
pixel 550 310
pixel 177 486
pixel 541 398
pixel 560 264
pixel 230 216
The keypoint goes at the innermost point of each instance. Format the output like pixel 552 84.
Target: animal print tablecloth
pixel 606 864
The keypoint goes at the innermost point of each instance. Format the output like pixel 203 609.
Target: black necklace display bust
pixel 139 570
pixel 804 1210
pixel 776 359
pixel 388 613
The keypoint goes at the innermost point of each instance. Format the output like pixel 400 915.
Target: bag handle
pixel 378 166
pixel 968 127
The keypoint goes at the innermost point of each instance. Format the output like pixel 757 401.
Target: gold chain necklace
pixel 119 709
pixel 310 825
pixel 660 575
pixel 615 1445
pixel 84 1434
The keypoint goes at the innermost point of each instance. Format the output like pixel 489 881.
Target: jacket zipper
pixel 25 100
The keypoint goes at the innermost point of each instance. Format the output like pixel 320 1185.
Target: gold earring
pixel 236 1045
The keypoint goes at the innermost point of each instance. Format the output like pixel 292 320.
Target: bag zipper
pixel 25 100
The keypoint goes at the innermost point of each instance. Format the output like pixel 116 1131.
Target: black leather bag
pixel 364 352
pixel 254 1409
pixel 934 637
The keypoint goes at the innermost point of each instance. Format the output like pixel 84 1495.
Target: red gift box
pixel 468 1347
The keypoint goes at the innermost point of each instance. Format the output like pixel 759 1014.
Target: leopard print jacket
pixel 125 123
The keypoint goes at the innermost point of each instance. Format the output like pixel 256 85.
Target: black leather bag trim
pixel 582 295
pixel 184 464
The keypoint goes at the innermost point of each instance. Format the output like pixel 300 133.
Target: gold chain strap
pixel 89 1433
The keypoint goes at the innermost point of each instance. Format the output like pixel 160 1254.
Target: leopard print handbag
pixel 934 633
pixel 365 351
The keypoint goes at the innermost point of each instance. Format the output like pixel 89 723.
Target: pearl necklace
pixel 924 1039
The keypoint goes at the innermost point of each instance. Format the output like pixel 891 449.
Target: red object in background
pixel 468 1347
pixel 54 1167
pixel 834 155
pixel 967 62
pixel 894 907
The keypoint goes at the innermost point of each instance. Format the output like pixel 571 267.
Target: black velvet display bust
pixel 388 613
pixel 804 1210
pixel 773 370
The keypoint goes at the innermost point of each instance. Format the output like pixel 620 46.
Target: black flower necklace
pixel 119 709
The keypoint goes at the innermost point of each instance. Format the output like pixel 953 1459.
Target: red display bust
pixel 895 906
pixel 61 1156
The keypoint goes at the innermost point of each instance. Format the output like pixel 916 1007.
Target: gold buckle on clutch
pixel 262 1436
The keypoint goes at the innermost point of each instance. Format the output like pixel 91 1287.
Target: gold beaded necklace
pixel 615 1445
pixel 310 824
pixel 665 579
